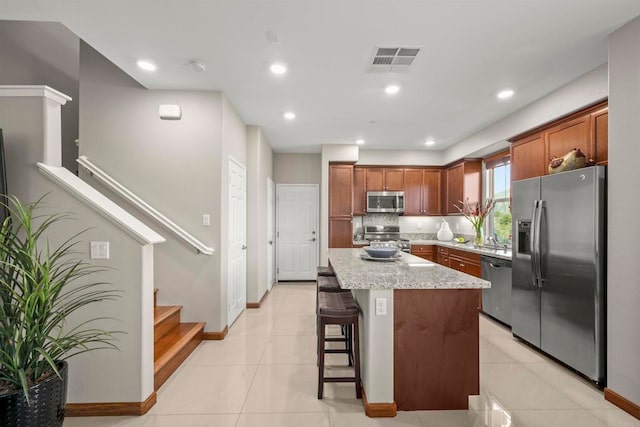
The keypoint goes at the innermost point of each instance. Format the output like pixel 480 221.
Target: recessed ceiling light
pixel 289 115
pixel 508 93
pixel 278 68
pixel 146 65
pixel 429 142
pixel 392 89
pixel 359 141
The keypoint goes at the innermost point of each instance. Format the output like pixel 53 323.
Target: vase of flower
pixel 479 229
pixel 476 213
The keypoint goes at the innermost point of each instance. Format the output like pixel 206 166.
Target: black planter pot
pixel 46 403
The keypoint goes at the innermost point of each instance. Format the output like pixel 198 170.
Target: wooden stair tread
pixel 162 312
pixel 170 345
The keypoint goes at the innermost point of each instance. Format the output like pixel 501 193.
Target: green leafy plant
pixel 40 287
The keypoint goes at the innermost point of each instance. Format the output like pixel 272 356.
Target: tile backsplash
pixel 415 227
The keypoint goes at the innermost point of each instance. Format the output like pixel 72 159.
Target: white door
pixel 297 231
pixel 271 235
pixel 237 268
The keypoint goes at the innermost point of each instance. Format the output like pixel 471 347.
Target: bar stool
pixel 325 271
pixel 330 284
pixel 338 308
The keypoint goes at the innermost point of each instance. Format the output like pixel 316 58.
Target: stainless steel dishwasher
pixel 496 301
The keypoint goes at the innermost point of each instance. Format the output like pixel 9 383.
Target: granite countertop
pixel 500 253
pixel 408 272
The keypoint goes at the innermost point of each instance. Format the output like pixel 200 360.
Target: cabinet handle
pixel 461 265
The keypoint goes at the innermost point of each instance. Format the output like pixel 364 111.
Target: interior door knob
pixel 312 240
pixel 271 242
pixel 244 247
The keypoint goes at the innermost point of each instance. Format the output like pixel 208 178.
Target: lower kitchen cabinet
pixel 424 251
pixel 340 232
pixel 442 257
pixel 466 262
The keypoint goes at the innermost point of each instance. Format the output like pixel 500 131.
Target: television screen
pixel 3 183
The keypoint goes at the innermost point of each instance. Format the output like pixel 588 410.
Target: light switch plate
pixel 99 250
pixel 381 306
pixel 206 220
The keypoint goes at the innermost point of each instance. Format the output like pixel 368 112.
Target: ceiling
pixel 471 50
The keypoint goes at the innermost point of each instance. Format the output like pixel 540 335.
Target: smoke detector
pixel 197 66
pixel 392 59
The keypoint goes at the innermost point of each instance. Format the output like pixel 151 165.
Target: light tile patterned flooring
pixel 263 374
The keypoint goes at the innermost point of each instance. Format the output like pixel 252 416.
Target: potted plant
pixel 40 288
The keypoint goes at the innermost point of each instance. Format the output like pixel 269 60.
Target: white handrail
pixel 115 186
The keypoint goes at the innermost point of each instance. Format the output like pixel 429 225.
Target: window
pixel 499 189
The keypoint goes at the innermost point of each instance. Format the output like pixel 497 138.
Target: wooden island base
pixel 436 348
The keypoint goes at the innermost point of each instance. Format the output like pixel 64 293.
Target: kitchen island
pixel 419 331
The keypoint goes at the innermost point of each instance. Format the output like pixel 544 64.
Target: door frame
pixel 271 191
pixel 317 221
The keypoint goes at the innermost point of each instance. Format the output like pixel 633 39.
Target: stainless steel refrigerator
pixel 558 276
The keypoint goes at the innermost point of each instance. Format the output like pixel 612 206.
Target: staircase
pixel 173 341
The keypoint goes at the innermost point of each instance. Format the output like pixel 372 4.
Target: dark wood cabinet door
pixel 413 192
pixel 359 191
pixel 455 187
pixel 528 158
pixel 375 179
pixel 424 251
pixel 600 135
pixel 431 185
pixel 393 179
pixel 340 190
pixel 340 233
pixel 569 135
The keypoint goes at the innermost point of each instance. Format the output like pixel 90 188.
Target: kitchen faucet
pixel 494 240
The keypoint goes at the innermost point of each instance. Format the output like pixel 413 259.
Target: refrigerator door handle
pixel 532 244
pixel 538 255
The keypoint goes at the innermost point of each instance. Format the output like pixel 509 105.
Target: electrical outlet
pixel 99 250
pixel 457 227
pixel 437 226
pixel 206 220
pixel 381 306
pixel 419 226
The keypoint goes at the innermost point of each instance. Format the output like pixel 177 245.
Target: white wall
pixel 45 53
pixel 100 376
pixel 174 165
pixel 300 168
pixel 259 170
pixel 400 157
pixel 623 269
pixel 581 92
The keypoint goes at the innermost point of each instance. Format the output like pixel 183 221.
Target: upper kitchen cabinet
pixel 600 134
pixel 587 130
pixel 463 181
pixel 422 192
pixel 384 179
pixel 359 191
pixel 568 135
pixel 340 190
pixel 527 157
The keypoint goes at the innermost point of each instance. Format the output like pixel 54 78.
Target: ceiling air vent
pixel 392 59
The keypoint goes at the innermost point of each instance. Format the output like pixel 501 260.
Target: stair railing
pixel 128 195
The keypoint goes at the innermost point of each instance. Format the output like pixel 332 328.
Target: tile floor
pixel 264 374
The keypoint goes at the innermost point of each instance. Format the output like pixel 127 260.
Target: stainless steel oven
pixel 385 201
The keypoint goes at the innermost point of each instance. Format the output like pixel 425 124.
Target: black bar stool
pixel 330 284
pixel 325 271
pixel 338 308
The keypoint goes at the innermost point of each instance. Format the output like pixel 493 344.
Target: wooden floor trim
pixel 378 410
pixel 258 304
pixel 215 336
pixel 107 409
pixel 622 403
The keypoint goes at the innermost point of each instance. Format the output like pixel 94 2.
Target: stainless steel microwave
pixel 385 201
